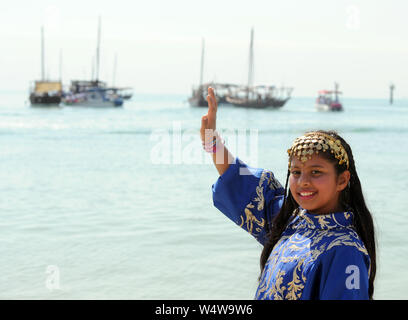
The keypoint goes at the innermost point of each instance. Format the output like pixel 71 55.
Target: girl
pixel 318 235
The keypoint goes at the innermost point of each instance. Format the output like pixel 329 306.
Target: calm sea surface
pixel 117 203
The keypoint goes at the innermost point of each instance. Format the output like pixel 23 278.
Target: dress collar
pixel 304 219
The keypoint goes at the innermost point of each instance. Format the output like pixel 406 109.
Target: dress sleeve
pixel 344 274
pixel 250 197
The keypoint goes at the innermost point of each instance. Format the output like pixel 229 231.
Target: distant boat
pixel 92 94
pixel 95 93
pixel 221 91
pixel 328 100
pixel 259 97
pixel 45 92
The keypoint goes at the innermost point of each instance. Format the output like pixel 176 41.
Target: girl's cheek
pixel 292 181
pixel 321 181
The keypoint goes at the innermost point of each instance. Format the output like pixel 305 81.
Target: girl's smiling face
pixel 315 184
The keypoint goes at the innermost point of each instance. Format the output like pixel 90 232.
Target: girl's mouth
pixel 307 195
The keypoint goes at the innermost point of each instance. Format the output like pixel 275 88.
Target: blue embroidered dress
pixel 317 256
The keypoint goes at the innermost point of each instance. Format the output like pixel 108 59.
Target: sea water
pixel 116 203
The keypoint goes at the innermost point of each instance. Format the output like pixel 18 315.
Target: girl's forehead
pixel 315 161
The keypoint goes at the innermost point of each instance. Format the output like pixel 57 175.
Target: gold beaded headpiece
pixel 312 142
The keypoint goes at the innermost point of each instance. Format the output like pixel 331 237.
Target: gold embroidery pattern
pixel 249 219
pixel 296 286
pixel 299 250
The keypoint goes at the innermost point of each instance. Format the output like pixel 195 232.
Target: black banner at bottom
pixel 192 309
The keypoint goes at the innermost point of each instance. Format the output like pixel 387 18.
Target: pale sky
pixel 304 44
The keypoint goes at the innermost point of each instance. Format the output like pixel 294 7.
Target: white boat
pixel 92 94
pixel 95 93
pixel 328 100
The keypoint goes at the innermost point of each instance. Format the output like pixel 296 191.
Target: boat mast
pixel 98 49
pixel 60 65
pixel 114 69
pixel 251 63
pixel 42 55
pixel 202 62
pixel 336 88
pixel 93 68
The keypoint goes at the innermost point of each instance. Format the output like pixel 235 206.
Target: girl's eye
pixel 314 172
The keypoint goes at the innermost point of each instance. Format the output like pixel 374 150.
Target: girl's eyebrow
pixel 312 166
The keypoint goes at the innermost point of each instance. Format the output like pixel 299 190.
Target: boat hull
pixel 326 107
pixel 92 100
pixel 257 104
pixel 94 104
pixel 197 102
pixel 45 100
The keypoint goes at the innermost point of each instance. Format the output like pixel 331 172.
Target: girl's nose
pixel 304 180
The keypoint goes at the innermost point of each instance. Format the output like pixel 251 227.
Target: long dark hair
pixel 351 197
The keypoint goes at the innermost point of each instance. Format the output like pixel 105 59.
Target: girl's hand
pixel 208 121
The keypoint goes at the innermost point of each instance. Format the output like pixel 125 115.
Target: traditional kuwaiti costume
pixel 317 256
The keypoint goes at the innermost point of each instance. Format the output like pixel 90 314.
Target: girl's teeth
pixel 307 194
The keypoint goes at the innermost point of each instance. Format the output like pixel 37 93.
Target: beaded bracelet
pixel 211 147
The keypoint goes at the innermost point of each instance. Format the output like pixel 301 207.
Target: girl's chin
pixel 310 208
pixel 314 210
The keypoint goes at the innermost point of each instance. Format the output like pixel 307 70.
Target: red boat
pixel 328 100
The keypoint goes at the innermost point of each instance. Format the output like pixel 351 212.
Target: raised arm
pixel 250 197
pixel 222 157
